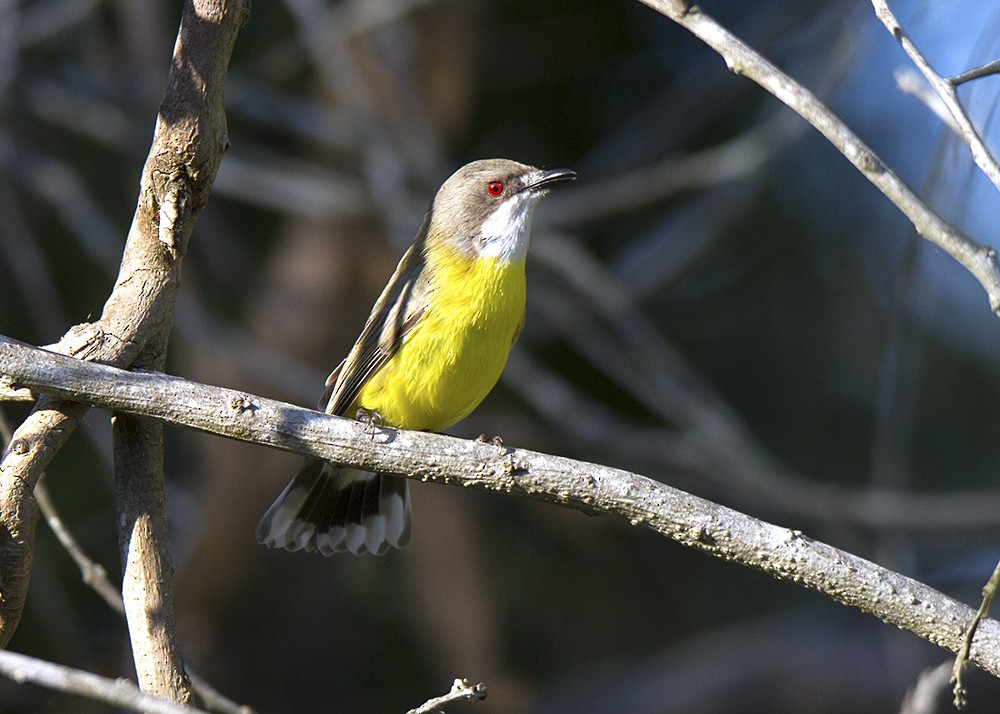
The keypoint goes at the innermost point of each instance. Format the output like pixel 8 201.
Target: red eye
pixel 495 188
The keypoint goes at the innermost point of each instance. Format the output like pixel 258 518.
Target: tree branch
pixel 92 573
pixel 989 592
pixel 741 59
pixel 147 566
pixel 976 73
pixel 116 692
pixel 694 522
pixel 946 90
pixel 189 140
pixel 461 690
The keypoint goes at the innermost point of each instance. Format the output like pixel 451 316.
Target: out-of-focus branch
pixel 946 90
pixel 694 522
pixel 116 692
pixel 597 314
pixel 93 574
pixel 96 576
pixel 731 160
pixel 909 82
pixel 979 260
pixel 922 697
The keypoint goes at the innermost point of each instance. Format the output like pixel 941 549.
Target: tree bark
pixel 694 522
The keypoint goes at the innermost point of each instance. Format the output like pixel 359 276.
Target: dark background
pixel 720 302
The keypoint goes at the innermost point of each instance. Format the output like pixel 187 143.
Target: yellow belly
pixel 454 356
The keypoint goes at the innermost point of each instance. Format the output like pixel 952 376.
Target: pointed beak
pixel 543 180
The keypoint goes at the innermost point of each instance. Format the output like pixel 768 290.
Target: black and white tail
pixel 330 510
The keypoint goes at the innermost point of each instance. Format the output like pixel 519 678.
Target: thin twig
pixel 989 592
pixel 694 522
pixel 980 261
pixel 968 75
pixel 461 690
pixel 93 574
pixel 96 576
pixel 946 90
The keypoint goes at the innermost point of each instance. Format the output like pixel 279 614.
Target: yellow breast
pixel 453 357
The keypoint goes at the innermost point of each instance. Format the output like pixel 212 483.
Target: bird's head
pixel 484 209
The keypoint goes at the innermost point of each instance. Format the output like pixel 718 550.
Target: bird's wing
pixel 397 311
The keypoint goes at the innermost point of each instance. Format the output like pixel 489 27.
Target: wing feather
pixel 397 311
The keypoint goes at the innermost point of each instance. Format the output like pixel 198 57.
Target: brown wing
pixel 401 305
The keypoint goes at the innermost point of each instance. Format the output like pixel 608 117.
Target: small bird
pixel 432 349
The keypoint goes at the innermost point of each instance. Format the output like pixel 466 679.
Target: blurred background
pixel 720 302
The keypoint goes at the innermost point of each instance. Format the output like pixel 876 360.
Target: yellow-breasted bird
pixel 432 349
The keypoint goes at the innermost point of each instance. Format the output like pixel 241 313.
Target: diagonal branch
pixel 946 90
pixel 742 59
pixel 782 553
pixel 189 140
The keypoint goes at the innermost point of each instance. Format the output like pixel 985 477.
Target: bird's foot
pixel 495 440
pixel 371 419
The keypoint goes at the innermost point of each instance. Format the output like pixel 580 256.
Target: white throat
pixel 504 234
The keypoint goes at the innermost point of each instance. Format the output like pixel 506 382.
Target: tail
pixel 332 510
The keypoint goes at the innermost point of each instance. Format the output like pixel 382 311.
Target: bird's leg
pixel 495 440
pixel 371 419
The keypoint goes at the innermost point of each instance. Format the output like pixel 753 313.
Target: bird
pixel 432 348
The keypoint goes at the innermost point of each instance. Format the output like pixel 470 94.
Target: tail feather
pixel 333 510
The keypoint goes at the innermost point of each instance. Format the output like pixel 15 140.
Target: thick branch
pixel 979 260
pixel 188 143
pixel 782 553
pixel 147 567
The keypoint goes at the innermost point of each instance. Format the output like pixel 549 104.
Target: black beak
pixel 549 177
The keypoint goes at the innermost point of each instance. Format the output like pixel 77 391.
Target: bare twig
pixel 979 260
pixel 116 692
pixel 93 574
pixel 213 700
pixel 976 73
pixel 461 690
pixel 946 90
pixel 989 592
pixel 96 576
pixel 694 522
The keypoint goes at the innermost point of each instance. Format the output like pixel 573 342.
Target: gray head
pixel 485 207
